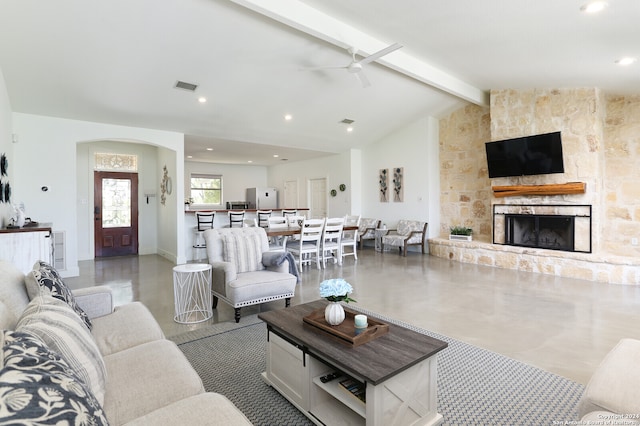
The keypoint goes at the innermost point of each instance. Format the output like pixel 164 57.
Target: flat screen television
pixel 529 155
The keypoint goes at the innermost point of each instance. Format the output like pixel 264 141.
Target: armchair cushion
pixel 243 250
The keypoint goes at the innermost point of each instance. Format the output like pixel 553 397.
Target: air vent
pixel 186 86
pixel 347 121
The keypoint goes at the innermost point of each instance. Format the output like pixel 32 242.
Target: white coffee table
pixel 192 293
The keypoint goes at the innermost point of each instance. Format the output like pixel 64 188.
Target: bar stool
pixel 236 218
pixel 204 220
pixel 287 213
pixel 263 218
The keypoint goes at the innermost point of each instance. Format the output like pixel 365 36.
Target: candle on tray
pixel 360 321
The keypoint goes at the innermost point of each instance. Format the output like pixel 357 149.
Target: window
pixel 206 189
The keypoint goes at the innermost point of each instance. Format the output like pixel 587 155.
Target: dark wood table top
pixel 287 231
pixel 374 361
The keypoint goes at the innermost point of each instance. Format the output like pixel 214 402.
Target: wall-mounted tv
pixel 529 155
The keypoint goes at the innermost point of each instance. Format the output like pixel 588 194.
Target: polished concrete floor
pixel 565 326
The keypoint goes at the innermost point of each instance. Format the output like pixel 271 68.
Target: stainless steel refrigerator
pixel 262 198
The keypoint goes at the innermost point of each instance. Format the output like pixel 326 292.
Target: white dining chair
pixel 350 237
pixel 307 247
pixel 331 240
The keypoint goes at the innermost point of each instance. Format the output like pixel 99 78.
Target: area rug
pixel 475 386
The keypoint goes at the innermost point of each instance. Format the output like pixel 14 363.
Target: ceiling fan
pixel 355 67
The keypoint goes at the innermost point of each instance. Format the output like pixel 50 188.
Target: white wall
pixel 147 182
pixel 335 168
pixel 415 148
pixel 6 145
pixel 46 155
pixel 235 178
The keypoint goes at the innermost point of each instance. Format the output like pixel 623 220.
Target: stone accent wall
pixel 621 201
pixel 601 144
pixel 465 189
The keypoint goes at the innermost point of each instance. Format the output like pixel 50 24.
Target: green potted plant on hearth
pixel 460 233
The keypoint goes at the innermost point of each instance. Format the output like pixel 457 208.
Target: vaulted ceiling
pixel 118 62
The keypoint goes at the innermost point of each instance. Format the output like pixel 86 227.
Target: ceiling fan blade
pixel 362 77
pixel 380 53
pixel 322 68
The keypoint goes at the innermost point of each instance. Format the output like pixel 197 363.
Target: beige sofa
pixel 612 396
pixel 120 369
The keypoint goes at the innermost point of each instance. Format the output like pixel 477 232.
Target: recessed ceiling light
pixel 209 149
pixel 189 156
pixel 349 129
pixel 275 156
pixel 626 61
pixel 594 6
pixel 288 117
pixel 249 161
pixel 202 99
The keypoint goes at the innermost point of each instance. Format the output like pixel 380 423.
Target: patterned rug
pixel 475 386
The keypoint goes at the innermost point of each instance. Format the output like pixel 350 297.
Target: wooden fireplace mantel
pixel 550 189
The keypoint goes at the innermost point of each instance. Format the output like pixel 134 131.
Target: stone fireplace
pixel 564 227
pixel 601 149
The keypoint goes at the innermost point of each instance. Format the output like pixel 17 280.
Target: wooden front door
pixel 115 213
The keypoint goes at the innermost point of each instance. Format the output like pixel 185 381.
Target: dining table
pixel 288 231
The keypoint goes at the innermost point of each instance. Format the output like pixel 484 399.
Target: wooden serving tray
pixel 346 332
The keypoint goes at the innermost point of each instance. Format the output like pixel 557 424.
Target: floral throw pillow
pixel 44 279
pixel 37 386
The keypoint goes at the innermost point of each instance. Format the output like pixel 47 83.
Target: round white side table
pixel 192 293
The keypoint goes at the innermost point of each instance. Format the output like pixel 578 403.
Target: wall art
pixel 383 179
pixel 398 184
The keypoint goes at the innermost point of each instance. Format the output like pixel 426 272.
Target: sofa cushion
pixel 39 387
pixel 147 377
pixel 244 250
pixel 58 326
pixel 44 279
pixel 206 409
pixel 127 326
pixel 13 295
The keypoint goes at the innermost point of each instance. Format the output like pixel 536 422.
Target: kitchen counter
pixel 32 227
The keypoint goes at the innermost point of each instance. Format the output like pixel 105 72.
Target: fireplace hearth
pixel 551 227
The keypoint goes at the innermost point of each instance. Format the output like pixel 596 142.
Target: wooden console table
pixel 399 370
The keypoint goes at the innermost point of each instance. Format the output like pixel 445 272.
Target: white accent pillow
pixel 62 330
pixel 244 251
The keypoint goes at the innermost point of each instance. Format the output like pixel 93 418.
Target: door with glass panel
pixel 115 213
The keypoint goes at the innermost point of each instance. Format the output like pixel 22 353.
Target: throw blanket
pixel 277 258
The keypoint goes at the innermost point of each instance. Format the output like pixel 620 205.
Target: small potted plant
pixel 460 233
pixel 187 203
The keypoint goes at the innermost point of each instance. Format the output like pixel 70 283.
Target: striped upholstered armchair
pixel 244 271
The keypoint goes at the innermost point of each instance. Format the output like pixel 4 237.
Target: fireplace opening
pixel 554 232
